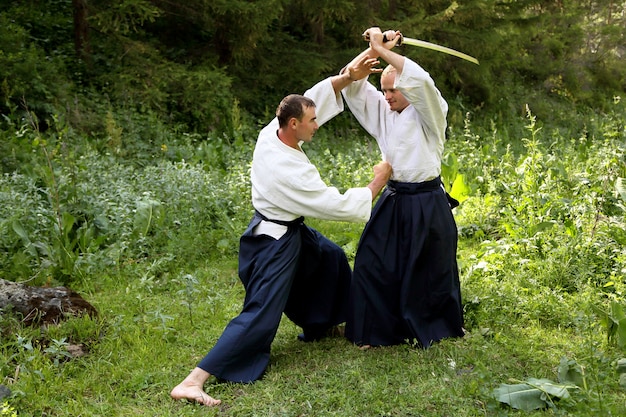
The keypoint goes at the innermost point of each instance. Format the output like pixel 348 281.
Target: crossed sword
pixel 428 45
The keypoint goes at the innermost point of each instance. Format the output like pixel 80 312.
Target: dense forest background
pixel 205 66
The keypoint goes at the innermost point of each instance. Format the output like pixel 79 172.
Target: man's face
pixel 306 128
pixel 397 101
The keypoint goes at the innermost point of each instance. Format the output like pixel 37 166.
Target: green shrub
pixel 30 78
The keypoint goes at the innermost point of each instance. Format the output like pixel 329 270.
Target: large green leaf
pixel 460 189
pixel 536 393
pixel 148 212
pixel 520 396
pixel 571 372
pixel 449 169
pixel 23 234
pixel 618 315
pixel 551 388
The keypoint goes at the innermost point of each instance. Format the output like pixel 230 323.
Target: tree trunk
pixel 38 305
pixel 81 30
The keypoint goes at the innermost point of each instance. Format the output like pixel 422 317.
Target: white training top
pixel 286 185
pixel 411 141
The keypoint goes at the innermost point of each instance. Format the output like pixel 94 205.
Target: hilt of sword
pixel 366 37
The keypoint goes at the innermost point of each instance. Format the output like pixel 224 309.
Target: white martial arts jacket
pixel 286 185
pixel 411 141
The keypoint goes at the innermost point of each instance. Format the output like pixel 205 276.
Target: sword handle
pixel 367 38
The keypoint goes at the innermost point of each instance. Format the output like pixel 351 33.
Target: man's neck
pixel 288 140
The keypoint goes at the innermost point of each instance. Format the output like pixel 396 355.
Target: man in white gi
pixel 405 284
pixel 284 265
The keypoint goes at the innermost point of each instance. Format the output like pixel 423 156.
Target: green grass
pixel 541 255
pixel 143 344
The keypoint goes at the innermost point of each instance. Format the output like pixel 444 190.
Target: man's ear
pixel 293 123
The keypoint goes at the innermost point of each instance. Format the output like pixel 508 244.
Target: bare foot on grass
pixel 193 393
pixel 191 389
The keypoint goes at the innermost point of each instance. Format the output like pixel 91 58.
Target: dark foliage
pixel 192 64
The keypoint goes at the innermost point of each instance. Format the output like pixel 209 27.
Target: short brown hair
pixel 292 106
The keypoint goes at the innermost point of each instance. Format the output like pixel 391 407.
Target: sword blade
pixel 438 48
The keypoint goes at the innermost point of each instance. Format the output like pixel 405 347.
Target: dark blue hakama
pixel 405 284
pixel 302 274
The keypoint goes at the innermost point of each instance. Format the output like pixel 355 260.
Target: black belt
pixel 421 187
pixel 414 187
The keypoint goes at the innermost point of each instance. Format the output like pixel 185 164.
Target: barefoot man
pixel 284 265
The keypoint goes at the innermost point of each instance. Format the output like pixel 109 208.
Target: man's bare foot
pixel 192 389
pixel 365 347
pixel 193 393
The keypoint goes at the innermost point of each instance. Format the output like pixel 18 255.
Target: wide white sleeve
pixel 328 104
pixel 419 89
pixel 367 104
pixel 301 190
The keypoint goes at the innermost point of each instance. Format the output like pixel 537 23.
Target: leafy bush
pixel 29 76
pixel 545 223
pixel 80 211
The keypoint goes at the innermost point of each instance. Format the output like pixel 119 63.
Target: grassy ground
pixel 144 343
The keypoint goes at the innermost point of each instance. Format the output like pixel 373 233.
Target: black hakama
pixel 405 284
pixel 302 274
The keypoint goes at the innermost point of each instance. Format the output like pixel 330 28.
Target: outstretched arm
pixel 360 67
